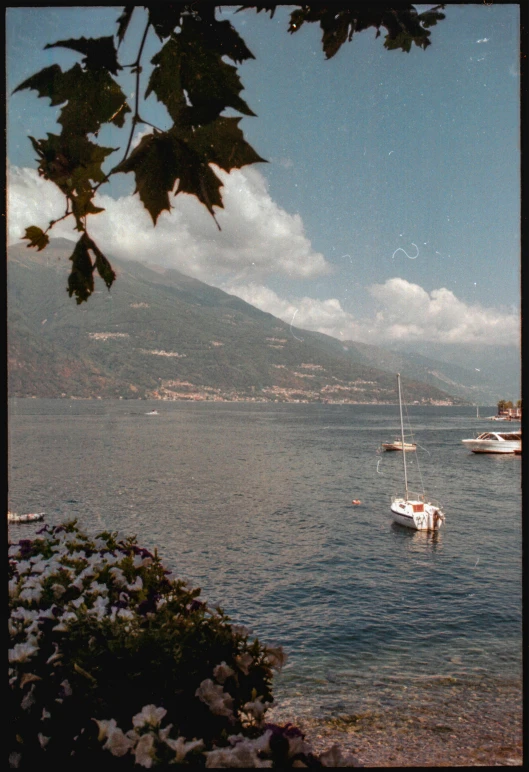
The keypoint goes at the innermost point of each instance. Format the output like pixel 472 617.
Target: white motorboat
pixel 414 510
pixel 398 445
pixel 30 517
pixel 152 412
pixel 495 442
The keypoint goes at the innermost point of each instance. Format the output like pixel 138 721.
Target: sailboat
pixel 413 510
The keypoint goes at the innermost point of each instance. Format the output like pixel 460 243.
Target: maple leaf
pixel 222 143
pixel 102 265
pixel 123 22
pixel 92 97
pixel 165 80
pixel 36 237
pixel 155 168
pixel 100 53
pixel 81 278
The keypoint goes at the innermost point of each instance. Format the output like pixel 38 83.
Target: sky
pixel 389 209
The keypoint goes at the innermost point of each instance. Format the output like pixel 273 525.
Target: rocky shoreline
pixel 463 732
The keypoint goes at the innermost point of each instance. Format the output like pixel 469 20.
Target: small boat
pixel 399 445
pixel 31 517
pixel 495 442
pixel 414 510
pixel 152 412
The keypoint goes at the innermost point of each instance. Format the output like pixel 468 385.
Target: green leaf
pixel 36 237
pixel 155 167
pixel 81 279
pixel 99 53
pixel 73 163
pixel 94 98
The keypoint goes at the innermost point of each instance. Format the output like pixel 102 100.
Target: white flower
pixel 119 576
pixel 145 751
pixel 40 567
pixel 243 755
pixel 98 588
pixel 13 587
pixel 14 759
pixel 150 715
pixel 21 652
pixel 58 590
pixel 137 585
pixel 182 748
pixel 275 656
pixel 43 740
pixel 32 594
pixel 218 701
pixel 45 714
pixel 99 608
pixel 29 699
pixel 222 672
pixel 256 708
pixel 67 689
pixel 244 661
pixel 116 742
pixel 56 655
pixel 23 567
pixel 125 613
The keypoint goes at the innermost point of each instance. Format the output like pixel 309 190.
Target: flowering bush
pixel 111 661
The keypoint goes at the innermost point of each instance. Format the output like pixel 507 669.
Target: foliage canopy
pixel 192 79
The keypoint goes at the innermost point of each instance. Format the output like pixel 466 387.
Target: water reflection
pixel 422 542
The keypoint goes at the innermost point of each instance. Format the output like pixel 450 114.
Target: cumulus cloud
pixel 404 312
pixel 257 238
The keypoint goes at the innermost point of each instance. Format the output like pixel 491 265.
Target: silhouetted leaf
pixel 165 79
pixel 81 278
pixel 36 237
pixel 222 142
pixel 99 53
pixel 206 78
pixel 155 168
pixel 94 98
pixel 73 163
pixel 339 21
pixel 123 22
pixel 165 17
pixel 104 268
pixel 48 83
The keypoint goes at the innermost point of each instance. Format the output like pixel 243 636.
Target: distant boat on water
pixel 152 412
pixel 31 517
pixel 414 510
pixel 495 442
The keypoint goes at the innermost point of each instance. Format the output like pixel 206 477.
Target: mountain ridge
pixel 164 335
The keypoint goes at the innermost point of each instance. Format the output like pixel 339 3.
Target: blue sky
pixel 389 211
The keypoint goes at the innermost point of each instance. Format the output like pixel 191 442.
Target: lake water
pixel 253 503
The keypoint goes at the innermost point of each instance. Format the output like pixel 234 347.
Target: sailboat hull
pixel 416 514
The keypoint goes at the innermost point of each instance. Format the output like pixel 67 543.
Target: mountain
pixel 161 334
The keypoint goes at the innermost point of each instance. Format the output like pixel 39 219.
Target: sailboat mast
pixel 402 436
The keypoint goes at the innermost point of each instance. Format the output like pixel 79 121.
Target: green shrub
pixel 111 663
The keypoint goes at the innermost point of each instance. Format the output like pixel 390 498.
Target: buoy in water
pixel 356 501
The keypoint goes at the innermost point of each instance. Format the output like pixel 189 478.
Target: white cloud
pixel 257 239
pixel 404 312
